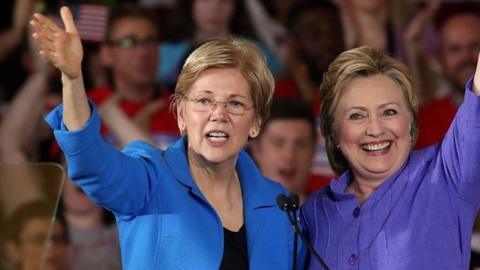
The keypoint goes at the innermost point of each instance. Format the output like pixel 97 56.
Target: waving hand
pixel 61 47
pixel 64 50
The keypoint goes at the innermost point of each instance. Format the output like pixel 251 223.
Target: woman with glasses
pixel 202 203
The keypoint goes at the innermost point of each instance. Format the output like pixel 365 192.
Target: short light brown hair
pixel 230 53
pixel 360 62
pixel 130 11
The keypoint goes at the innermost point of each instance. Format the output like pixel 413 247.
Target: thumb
pixel 67 19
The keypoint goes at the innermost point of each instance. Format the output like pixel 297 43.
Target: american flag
pixel 91 21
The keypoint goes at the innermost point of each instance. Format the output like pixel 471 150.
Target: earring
pixel 253 133
pixel 338 146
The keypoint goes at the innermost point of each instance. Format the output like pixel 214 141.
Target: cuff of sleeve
pixel 72 142
pixel 471 103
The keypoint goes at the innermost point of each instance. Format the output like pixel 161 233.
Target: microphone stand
pixel 290 205
pixel 284 204
pixel 292 214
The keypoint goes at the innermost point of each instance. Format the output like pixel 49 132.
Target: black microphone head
pixel 282 202
pixel 294 201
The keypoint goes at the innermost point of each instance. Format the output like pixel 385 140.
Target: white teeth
pixel 376 146
pixel 217 139
pixel 217 134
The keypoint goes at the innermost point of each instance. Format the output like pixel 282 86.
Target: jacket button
pixel 356 212
pixel 352 260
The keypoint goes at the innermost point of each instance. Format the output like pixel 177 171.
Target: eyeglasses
pixel 132 42
pixel 206 104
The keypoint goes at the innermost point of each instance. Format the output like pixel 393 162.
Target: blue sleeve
pixel 120 181
pixel 460 149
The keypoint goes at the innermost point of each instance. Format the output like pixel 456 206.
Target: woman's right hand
pixel 62 48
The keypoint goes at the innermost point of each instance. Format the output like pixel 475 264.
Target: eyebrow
pixel 365 109
pixel 209 92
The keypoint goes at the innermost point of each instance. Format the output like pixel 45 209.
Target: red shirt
pixel 434 119
pixel 163 125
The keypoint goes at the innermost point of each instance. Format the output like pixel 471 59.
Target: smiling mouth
pixel 376 147
pixel 217 136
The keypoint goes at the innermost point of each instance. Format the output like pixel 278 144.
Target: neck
pixel 363 189
pixel 134 92
pixel 213 179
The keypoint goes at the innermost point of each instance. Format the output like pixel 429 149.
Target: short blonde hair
pixel 230 53
pixel 360 62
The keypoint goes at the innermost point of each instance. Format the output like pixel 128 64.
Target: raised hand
pixel 420 21
pixel 61 47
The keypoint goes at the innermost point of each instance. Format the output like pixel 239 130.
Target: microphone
pixel 285 204
pixel 282 202
pixel 290 205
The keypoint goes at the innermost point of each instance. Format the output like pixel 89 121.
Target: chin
pixel 215 157
pixel 378 172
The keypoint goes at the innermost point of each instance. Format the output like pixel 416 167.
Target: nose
pixel 219 112
pixel 287 153
pixel 145 50
pixel 374 127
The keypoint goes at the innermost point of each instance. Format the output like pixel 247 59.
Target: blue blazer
pixel 164 220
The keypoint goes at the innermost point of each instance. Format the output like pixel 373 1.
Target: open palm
pixel 61 47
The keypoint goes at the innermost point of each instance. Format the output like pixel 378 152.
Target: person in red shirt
pixel 130 52
pixel 459 43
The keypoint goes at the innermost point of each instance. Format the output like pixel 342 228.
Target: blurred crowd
pixel 134 51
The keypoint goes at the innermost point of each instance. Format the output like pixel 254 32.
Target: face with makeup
pixel 217 115
pixel 372 127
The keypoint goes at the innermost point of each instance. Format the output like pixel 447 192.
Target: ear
pixel 181 117
pixel 106 55
pixel 255 129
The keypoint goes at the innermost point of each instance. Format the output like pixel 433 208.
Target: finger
pixel 36 25
pixel 49 56
pixel 68 20
pixel 43 32
pixel 46 23
pixel 43 42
